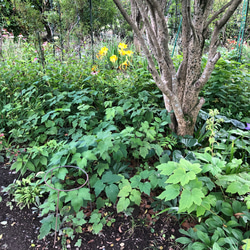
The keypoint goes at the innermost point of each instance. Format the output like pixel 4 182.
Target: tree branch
pixel 218 13
pixel 163 86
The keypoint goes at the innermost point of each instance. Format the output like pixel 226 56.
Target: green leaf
pixel 135 180
pixel 89 155
pixel 125 191
pixel 237 187
pixel 78 243
pixel 44 230
pixel 247 245
pixel 77 197
pixel 188 197
pixel 170 193
pixel 181 176
pixel 135 196
pixel 62 173
pixel 203 237
pixel 184 240
pixel 30 166
pixel 216 246
pixel 101 167
pixel 122 204
pixel 110 178
pixel 198 246
pixel 112 192
pixel 204 157
pixel 17 165
pixel 97 228
pixel 167 168
pixel 43 160
pixel 227 209
pixel 99 187
pixel 144 151
pixel 189 142
pixel 145 187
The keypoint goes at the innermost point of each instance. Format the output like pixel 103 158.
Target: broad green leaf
pixel 216 246
pixel 62 173
pixel 188 197
pixel 180 175
pixel 43 160
pixel 99 187
pixel 17 165
pixel 44 230
pixel 158 149
pixel 95 217
pixel 189 142
pixel 97 228
pixel 145 187
pixel 184 240
pixel 109 178
pixel 227 209
pixel 125 191
pixel 144 151
pixel 112 192
pixel 135 196
pixel 135 180
pixel 203 237
pixel 204 157
pixel 89 155
pixel 145 174
pixel 237 187
pixel 170 192
pixel 101 167
pixel 177 155
pixel 198 246
pixel 167 168
pixel 246 246
pixel 30 166
pixel 122 204
pixel 193 167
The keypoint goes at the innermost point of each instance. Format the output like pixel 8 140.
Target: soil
pixel 19 229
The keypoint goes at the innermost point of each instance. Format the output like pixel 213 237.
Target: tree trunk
pixel 180 88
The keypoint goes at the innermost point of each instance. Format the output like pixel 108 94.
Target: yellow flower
pixel 103 51
pixel 122 46
pixel 113 58
pixel 124 65
pixel 122 52
pixel 129 52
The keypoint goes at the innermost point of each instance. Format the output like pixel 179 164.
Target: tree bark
pixel 180 88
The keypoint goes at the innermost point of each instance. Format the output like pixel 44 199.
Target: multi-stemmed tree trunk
pixel 181 87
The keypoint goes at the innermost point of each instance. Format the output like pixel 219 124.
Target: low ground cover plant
pixel 107 119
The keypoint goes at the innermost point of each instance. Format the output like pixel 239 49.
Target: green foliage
pixel 25 192
pixel 228 89
pixel 114 126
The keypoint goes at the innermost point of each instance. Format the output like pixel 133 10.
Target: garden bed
pixel 19 229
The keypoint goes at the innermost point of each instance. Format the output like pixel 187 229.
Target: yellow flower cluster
pixel 103 52
pixel 122 52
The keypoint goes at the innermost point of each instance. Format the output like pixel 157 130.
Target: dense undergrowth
pixel 109 120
